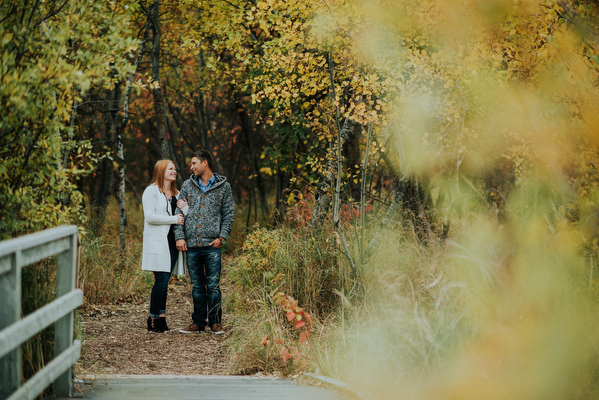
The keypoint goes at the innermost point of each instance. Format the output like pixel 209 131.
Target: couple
pixel 196 220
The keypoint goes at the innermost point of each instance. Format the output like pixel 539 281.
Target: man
pixel 207 225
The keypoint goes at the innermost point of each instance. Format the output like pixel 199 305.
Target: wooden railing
pixel 14 255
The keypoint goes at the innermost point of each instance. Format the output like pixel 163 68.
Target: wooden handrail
pixel 14 255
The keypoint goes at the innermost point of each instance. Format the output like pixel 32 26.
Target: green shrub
pixel 301 263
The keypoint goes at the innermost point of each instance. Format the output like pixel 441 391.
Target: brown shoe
pixel 217 329
pixel 193 328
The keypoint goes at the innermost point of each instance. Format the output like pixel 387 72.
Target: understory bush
pixel 303 264
pixel 107 275
pixel 295 261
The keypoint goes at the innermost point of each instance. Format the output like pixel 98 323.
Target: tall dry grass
pixel 302 263
pixel 106 273
pixel 502 310
pixel 37 351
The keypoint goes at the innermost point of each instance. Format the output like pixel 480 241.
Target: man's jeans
pixel 203 264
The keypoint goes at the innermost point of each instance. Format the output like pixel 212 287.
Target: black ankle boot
pixel 153 324
pixel 162 327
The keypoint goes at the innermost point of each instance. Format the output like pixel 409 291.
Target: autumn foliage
pixel 300 321
pixel 370 145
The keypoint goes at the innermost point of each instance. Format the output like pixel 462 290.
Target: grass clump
pixel 302 264
pixel 106 274
pixel 407 320
pixel 38 288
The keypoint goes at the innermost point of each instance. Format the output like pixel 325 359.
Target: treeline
pixel 400 104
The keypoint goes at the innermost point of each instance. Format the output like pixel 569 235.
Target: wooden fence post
pixel 10 312
pixel 63 328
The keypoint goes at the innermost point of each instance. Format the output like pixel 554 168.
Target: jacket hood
pixel 218 180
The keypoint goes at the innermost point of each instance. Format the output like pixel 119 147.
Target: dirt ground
pixel 116 342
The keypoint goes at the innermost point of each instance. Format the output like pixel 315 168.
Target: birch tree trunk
pixel 121 192
pixel 363 193
pixel 324 195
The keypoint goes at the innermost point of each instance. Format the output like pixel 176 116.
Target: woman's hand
pixel 181 204
pixel 180 219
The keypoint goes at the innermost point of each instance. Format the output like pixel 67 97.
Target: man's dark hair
pixel 205 156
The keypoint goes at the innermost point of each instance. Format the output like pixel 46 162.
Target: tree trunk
pixel 121 192
pixel 105 176
pixel 160 115
pixel 363 194
pixel 282 184
pixel 105 180
pixel 201 109
pixel 353 157
pixel 119 144
pixel 65 199
pixel 249 133
pixel 324 195
pixel 175 116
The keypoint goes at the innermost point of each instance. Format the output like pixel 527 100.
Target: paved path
pixel 200 387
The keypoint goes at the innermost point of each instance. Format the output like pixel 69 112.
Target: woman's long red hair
pixel 158 177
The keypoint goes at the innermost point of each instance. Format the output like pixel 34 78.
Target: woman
pixel 159 252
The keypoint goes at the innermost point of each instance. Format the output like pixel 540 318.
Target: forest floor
pixel 115 340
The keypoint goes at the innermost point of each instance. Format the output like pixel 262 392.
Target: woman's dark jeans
pixel 160 288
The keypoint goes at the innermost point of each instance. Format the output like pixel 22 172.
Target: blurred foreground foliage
pixel 491 107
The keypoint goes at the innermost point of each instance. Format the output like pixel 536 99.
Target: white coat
pixel 158 218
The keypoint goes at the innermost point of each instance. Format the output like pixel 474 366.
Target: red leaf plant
pixel 300 320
